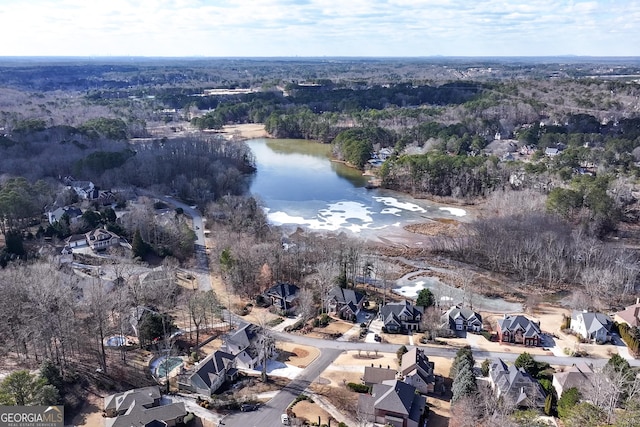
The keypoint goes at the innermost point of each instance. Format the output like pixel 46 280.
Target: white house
pixel 591 326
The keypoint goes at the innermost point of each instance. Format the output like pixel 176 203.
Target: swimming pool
pixel 163 365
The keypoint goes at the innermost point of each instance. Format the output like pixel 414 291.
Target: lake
pixel 298 185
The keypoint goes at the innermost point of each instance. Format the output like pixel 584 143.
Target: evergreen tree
pixel 425 298
pixel 138 246
pixel 23 388
pixel 464 384
pixel 567 401
pixel 548 404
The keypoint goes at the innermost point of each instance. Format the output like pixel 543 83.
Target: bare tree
pixel 306 306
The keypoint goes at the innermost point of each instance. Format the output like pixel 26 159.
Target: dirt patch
pixel 245 131
pixel 439 227
pixel 90 413
pixel 297 355
pixel 310 411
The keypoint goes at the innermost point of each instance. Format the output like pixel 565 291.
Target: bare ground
pixel 310 411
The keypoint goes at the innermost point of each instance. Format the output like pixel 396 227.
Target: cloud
pixel 320 27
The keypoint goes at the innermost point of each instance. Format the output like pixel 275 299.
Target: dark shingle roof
pixel 513 323
pixel 346 296
pixel 213 364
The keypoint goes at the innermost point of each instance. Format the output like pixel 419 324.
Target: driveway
pixel 375 328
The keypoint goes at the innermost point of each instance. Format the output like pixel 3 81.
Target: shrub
pixel 488 335
pixel 358 388
pixel 485 367
pixel 274 322
pixel 324 319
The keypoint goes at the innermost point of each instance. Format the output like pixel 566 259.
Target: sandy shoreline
pixel 245 131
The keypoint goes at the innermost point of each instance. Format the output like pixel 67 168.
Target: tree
pixel 425 298
pixel 138 246
pixel 618 363
pixel 401 351
pixel 23 388
pixel 585 414
pixel 567 401
pixel 526 361
pixel 548 404
pixel 154 327
pixel 51 374
pixel 486 363
pixel 464 354
pixel 464 383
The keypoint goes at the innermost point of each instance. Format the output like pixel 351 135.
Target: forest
pixel 547 151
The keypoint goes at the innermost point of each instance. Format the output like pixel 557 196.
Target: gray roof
pixel 373 375
pixel 578 376
pixel 467 314
pixel 415 362
pixel 593 321
pixel 513 323
pixel 516 384
pixel 71 211
pixel 141 396
pixel 243 340
pixel 398 397
pixel 212 366
pixel 346 296
pixel 392 312
pixel 138 416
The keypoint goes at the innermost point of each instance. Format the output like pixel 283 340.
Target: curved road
pixel 269 414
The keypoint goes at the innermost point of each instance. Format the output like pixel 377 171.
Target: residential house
pixel 72 213
pixel 106 197
pixel 518 329
pixel 376 375
pixel 208 375
pixel 462 319
pixel 578 376
pixel 551 151
pixel 401 316
pixel 345 303
pixel 119 403
pixel 393 403
pixel 249 346
pixel 516 385
pixel 141 407
pixel 630 315
pixel 417 370
pixel 74 241
pixel 591 326
pixel 84 189
pixel 283 296
pixel 101 239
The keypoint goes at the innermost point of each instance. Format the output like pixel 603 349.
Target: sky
pixel 318 28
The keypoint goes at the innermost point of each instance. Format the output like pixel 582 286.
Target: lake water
pixel 299 185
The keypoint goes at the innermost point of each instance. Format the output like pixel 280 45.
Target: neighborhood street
pixel 269 414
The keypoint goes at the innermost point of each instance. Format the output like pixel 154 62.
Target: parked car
pixel 248 407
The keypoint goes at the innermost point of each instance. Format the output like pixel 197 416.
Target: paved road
pixel 269 414
pixel 510 354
